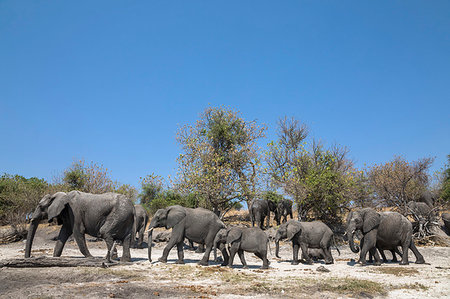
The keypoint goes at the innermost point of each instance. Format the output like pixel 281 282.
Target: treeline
pixel 223 163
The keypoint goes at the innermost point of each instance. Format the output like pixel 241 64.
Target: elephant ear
pixel 234 234
pixel 371 220
pixel 175 214
pixel 57 206
pixel 292 229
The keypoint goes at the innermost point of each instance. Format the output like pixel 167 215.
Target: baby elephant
pixel 305 235
pixel 240 239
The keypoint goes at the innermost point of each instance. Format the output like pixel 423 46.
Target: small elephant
pixel 259 210
pixel 240 239
pixel 446 219
pixel 382 231
pixel 198 225
pixel 109 216
pixel 284 208
pixel 305 235
pixel 140 220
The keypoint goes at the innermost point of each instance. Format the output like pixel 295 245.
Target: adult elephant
pixel 284 208
pixel 306 235
pixel 198 225
pixel 141 219
pixel 383 231
pixel 260 209
pixel 109 216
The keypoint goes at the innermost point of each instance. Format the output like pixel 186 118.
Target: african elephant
pixel 421 209
pixel 198 225
pixel 284 208
pixel 140 220
pixel 109 216
pixel 383 231
pixel 260 209
pixel 240 239
pixel 446 219
pixel 305 235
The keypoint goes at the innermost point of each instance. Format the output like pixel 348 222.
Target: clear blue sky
pixel 111 81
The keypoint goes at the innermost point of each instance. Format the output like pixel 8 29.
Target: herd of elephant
pixel 114 218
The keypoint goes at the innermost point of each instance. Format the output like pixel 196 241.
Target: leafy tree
pixel 272 195
pixel 321 181
pixel 220 160
pixel 127 190
pixel 152 186
pixel 19 196
pixel 397 182
pixel 444 190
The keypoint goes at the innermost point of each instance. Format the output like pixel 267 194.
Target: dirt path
pixel 143 279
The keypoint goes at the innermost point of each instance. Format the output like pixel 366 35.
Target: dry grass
pixel 397 271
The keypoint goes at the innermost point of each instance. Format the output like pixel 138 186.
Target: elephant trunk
pixel 351 240
pixel 30 236
pixel 150 238
pixel 277 247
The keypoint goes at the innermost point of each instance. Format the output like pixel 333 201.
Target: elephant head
pixel 286 231
pixel 168 218
pixel 50 206
pixel 364 220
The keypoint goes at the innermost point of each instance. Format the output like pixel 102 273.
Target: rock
pixel 322 269
pixel 163 236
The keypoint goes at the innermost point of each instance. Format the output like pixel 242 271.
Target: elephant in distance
pixel 260 210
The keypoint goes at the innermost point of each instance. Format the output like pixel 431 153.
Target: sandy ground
pixel 142 279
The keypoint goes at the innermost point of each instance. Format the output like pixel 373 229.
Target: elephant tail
pixel 335 246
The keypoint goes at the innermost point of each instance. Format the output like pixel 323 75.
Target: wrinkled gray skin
pixel 305 235
pixel 284 208
pixel 198 225
pixel 419 208
pixel 141 219
pixel 109 216
pixel 259 210
pixel 383 231
pixel 240 239
pixel 446 219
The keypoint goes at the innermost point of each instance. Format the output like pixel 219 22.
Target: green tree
pixel 220 160
pixel 444 192
pixel 152 185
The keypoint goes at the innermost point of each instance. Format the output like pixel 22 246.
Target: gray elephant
pixel 305 235
pixel 109 216
pixel 383 231
pixel 198 225
pixel 420 209
pixel 240 239
pixel 446 219
pixel 259 210
pixel 140 220
pixel 284 208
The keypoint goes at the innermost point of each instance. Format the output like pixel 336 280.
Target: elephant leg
pixel 268 221
pixel 225 255
pixel 327 255
pixel 200 248
pixel 394 256
pixel 374 253
pixel 419 257
pixel 79 237
pixel 141 237
pixel 180 253
pixel 109 245
pixel 242 258
pixel 191 245
pixel 369 243
pixel 64 234
pixel 263 257
pixel 305 254
pixel 176 237
pixel 295 248
pixel 383 256
pixel 233 250
pixel 126 256
pixel 209 241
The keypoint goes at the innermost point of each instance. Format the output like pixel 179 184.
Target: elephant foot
pixel 265 267
pixel 203 263
pixel 125 259
pixel 162 260
pixel 329 262
pixel 180 262
pixel 224 264
pixel 404 263
pixel 421 261
pixel 377 264
pixel 245 267
pixel 308 262
pixel 295 262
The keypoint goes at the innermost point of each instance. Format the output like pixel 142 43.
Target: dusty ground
pixel 142 279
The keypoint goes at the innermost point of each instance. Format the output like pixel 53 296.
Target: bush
pixel 170 198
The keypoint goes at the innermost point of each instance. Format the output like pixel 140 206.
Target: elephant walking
pixel 383 231
pixel 109 216
pixel 284 208
pixel 240 239
pixel 260 209
pixel 198 225
pixel 305 235
pixel 140 220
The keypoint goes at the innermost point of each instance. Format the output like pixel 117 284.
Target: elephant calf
pixel 140 220
pixel 305 235
pixel 240 239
